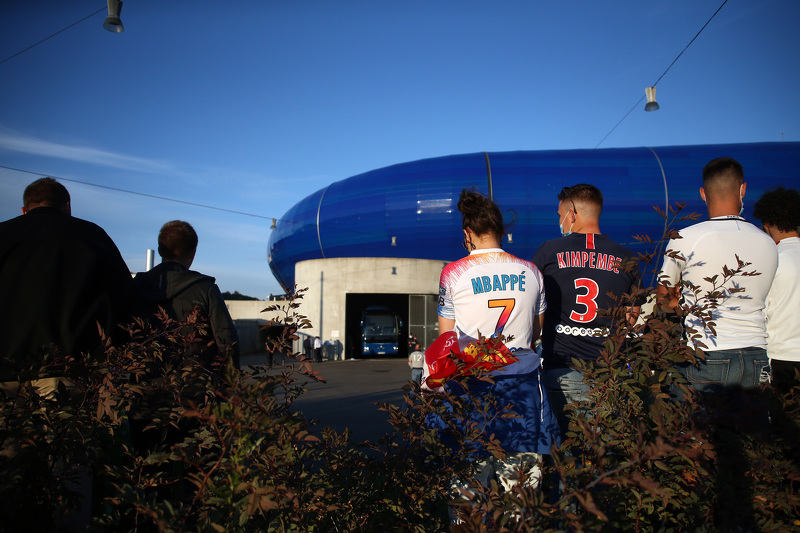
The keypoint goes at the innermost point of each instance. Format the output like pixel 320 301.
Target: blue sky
pixel 251 106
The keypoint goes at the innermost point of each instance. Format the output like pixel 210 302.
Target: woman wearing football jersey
pixel 491 292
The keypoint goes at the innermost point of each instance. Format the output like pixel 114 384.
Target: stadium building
pixel 372 246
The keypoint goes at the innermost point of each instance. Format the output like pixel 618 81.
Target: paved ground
pixel 348 398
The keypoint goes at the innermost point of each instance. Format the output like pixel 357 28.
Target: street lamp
pixel 652 105
pixel 112 22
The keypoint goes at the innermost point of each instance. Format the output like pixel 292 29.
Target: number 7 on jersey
pixel 508 306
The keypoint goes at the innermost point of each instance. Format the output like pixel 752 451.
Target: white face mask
pixel 741 200
pixel 561 225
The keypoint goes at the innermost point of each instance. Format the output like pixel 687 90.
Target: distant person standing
pixel 736 348
pixel 317 350
pixel 270 354
pixel 416 360
pixel 580 270
pixel 60 277
pixel 307 346
pixel 779 212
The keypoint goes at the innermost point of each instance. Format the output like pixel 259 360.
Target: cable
pixel 204 206
pixel 139 193
pixel 664 74
pixel 690 43
pixel 618 123
pixel 56 33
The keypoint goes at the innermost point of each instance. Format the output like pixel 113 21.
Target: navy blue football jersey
pixel 579 271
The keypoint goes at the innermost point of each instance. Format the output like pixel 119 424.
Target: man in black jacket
pixel 180 292
pixel 60 277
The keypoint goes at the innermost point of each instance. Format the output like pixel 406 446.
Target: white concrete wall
pixel 330 280
pixel 248 317
pixel 250 309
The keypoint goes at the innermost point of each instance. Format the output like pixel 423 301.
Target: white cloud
pixel 15 141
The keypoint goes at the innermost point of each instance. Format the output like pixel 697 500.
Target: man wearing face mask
pixel 580 270
pixel 694 268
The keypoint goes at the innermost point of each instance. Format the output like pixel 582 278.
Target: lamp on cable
pixel 112 22
pixel 651 105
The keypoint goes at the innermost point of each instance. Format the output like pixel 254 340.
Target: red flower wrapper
pixel 440 366
pixel 492 355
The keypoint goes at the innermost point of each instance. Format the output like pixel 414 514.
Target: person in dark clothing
pixel 180 292
pixel 583 276
pixel 176 289
pixel 60 277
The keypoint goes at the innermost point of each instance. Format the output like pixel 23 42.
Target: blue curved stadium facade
pixel 409 210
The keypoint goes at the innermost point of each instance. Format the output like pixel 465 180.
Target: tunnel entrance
pixel 415 315
pixel 384 332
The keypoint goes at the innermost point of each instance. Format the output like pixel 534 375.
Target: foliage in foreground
pixel 225 452
pixel 231 454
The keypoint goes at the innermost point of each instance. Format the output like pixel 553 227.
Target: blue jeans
pixel 747 367
pixel 563 386
pixel 416 375
pixel 534 429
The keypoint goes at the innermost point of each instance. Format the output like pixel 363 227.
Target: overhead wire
pixel 663 74
pixel 147 195
pixel 51 36
pixel 185 202
pixel 690 42
pixel 639 102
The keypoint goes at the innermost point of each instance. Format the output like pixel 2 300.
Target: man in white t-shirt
pixel 317 349
pixel 695 269
pixel 416 360
pixel 779 212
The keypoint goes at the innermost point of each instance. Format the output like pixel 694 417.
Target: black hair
pixel 480 214
pixel 587 195
pixel 45 192
pixel 723 167
pixel 177 240
pixel 582 192
pixel 779 207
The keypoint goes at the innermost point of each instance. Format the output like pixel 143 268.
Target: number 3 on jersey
pixel 508 306
pixel 587 300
